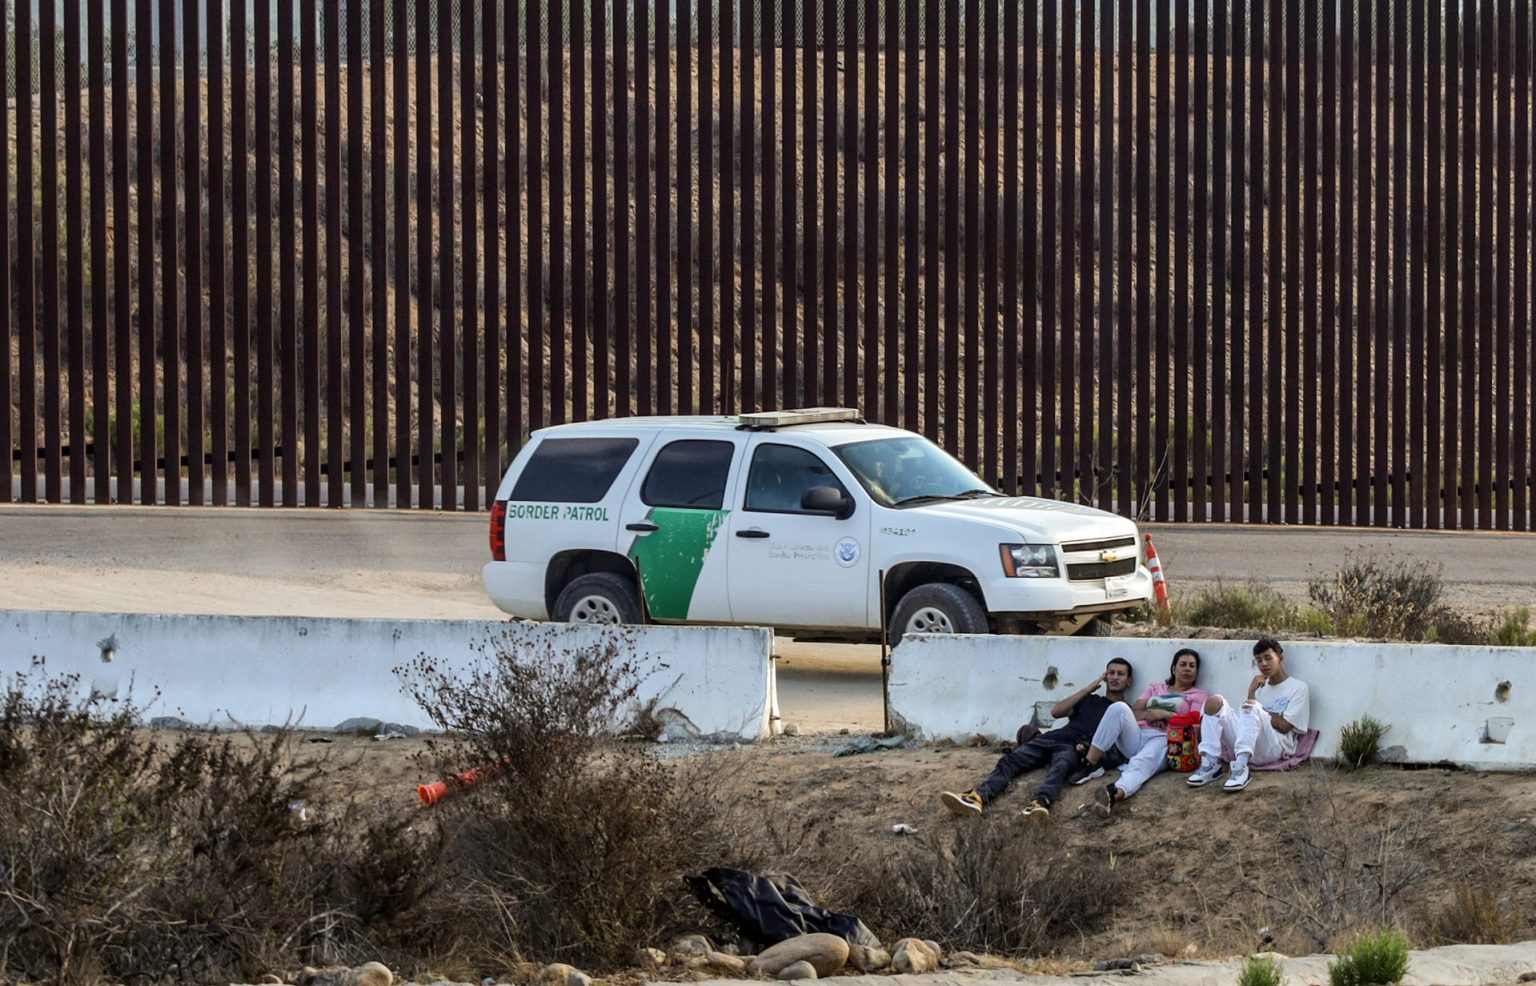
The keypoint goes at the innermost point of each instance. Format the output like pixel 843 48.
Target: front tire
pixel 599 598
pixel 1099 626
pixel 937 607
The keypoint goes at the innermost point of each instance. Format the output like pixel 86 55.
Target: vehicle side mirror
pixel 827 500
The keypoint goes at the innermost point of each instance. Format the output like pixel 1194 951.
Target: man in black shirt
pixel 1061 748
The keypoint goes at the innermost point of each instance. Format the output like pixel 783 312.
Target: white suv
pixel 790 519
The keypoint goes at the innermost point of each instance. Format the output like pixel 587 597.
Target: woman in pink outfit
pixel 1140 731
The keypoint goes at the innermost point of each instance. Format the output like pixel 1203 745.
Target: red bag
pixel 1184 743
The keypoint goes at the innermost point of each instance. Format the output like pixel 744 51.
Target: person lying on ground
pixel 1061 748
pixel 1139 732
pixel 1262 731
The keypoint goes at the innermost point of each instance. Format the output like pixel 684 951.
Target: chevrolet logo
pixel 1108 556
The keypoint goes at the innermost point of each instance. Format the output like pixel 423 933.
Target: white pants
pixel 1236 731
pixel 1145 750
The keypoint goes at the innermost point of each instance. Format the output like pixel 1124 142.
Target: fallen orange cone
pixel 431 794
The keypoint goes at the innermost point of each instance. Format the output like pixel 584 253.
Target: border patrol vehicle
pixel 810 521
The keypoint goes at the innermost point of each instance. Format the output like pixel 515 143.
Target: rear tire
pixel 937 607
pixel 600 598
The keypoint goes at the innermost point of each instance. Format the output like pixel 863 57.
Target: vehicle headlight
pixel 1029 561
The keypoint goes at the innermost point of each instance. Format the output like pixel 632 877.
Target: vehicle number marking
pixel 898 532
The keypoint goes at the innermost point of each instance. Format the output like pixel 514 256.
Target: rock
pixel 650 958
pixel 695 961
pixel 867 959
pixel 729 963
pixel 1175 878
pixel 728 949
pixel 797 970
pixel 1191 949
pixel 826 954
pixel 793 729
pixel 367 974
pixel 977 961
pixel 560 974
pixel 271 979
pixel 691 945
pixel 913 956
pixel 1528 977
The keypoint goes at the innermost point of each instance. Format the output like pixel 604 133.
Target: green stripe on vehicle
pixel 670 559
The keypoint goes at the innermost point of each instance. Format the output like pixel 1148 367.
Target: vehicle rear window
pixel 573 470
pixel 689 474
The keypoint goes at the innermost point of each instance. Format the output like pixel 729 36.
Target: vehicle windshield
pixel 910 470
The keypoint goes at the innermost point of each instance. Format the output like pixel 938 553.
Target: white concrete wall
pixel 1442 702
pixel 219 670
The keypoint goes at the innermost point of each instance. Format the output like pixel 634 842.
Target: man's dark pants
pixel 1060 753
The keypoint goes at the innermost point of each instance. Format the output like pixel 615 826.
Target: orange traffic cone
pixel 431 794
pixel 1159 583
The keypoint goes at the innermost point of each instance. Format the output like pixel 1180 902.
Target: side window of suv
pixel 573 470
pixel 780 476
pixel 690 474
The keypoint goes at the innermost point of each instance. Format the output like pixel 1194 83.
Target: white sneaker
pixel 1210 768
pixel 1239 779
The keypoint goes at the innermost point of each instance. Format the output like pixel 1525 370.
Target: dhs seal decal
pixel 847 552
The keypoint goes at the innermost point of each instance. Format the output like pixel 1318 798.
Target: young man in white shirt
pixel 1263 730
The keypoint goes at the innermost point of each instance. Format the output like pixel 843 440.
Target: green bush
pixel 1259 970
pixel 1373 960
pixel 1360 742
pixel 1516 630
pixel 1249 606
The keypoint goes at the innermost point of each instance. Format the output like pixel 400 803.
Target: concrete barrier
pixel 1444 704
pixel 316 673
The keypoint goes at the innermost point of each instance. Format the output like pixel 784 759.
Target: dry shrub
pixel 1382 596
pixel 1006 887
pixel 125 855
pixel 1478 913
pixel 1343 873
pixel 576 849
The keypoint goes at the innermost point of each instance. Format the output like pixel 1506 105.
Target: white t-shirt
pixel 1292 701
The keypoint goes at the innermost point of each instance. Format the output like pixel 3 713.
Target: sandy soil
pixel 1199 872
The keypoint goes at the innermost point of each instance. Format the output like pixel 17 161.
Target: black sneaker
pixel 1104 803
pixel 1086 772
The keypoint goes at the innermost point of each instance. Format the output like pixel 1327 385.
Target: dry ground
pixel 1309 855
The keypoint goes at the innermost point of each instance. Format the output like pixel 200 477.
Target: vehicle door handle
pixel 752 533
pixel 642 526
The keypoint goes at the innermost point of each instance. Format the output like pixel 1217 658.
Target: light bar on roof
pixel 798 416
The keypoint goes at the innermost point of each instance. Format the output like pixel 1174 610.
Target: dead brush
pixel 125 854
pixel 1379 595
pixel 577 849
pixel 1478 913
pixel 1344 873
pixel 1005 887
